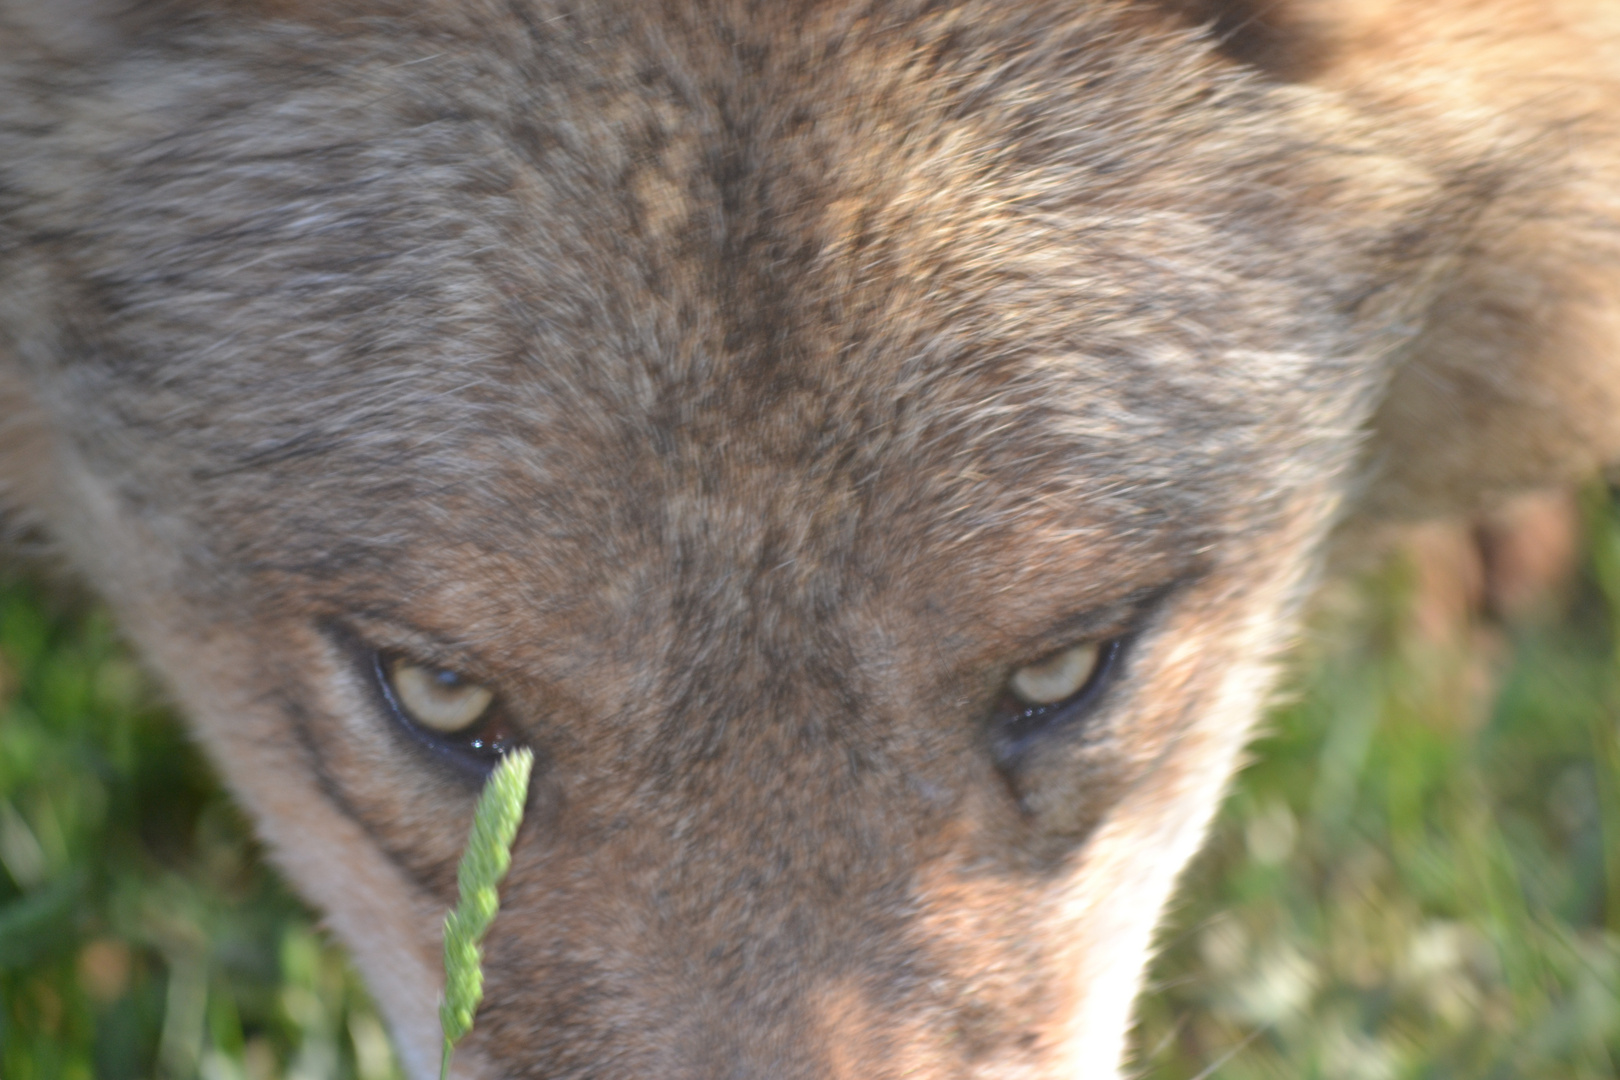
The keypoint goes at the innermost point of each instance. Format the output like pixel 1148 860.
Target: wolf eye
pixel 439 700
pixel 1054 692
pixel 1049 681
pixel 447 712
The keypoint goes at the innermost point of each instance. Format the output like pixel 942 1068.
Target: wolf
pixel 871 451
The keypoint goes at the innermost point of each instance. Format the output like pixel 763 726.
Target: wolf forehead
pixel 1078 294
pixel 795 438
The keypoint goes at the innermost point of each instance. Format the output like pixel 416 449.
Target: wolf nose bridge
pixel 776 848
pixel 755 876
pixel 735 845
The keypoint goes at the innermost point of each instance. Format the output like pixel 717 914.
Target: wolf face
pixel 871 453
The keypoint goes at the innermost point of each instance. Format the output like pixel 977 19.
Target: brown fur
pixel 743 391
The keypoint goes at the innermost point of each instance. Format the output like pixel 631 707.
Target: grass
pixel 141 935
pixel 1419 876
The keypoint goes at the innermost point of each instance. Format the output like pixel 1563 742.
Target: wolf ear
pixel 1277 37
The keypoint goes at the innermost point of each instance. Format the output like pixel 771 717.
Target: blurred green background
pixel 1418 877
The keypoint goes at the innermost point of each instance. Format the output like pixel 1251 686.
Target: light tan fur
pixel 742 393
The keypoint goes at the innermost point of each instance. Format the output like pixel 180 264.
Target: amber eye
pixel 1056 678
pixel 438 700
pixel 1054 694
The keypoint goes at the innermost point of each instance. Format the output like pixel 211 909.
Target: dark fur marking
pixel 1268 35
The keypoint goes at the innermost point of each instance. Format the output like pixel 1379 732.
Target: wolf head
pixel 736 405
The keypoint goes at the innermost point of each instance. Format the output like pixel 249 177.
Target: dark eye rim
pixel 472 752
pixel 1018 727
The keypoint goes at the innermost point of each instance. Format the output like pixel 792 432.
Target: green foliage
pixel 483 865
pixel 1418 875
pixel 140 933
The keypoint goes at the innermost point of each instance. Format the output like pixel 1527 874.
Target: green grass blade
pixel 483 865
